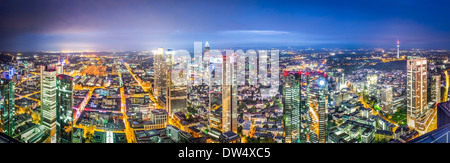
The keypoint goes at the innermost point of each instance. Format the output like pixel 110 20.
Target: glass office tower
pixel 64 105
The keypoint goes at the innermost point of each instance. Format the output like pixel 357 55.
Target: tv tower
pixel 398 49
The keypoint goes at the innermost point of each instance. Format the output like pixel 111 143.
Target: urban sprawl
pixel 178 96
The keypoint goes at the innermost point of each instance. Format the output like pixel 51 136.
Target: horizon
pixel 295 48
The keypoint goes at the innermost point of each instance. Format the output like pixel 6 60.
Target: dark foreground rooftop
pixel 7 139
pixel 440 135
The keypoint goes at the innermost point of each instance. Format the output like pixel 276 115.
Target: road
pixel 315 123
pixel 128 130
pixel 123 108
pixel 83 104
pixel 144 88
pixel 374 112
pixel 170 120
pixel 26 96
pixel 26 80
pixel 446 86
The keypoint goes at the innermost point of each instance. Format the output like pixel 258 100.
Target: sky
pixel 97 25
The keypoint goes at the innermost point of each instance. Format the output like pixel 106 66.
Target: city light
pixel 249 72
pixel 322 82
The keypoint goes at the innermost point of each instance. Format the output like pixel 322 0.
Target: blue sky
pixel 144 25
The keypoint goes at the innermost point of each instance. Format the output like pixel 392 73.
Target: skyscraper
pixel 48 100
pixel 198 86
pixel 216 90
pixel 371 80
pixel 305 112
pixel 59 69
pixel 340 81
pixel 291 106
pixel 205 63
pixel 222 72
pixel 436 88
pixel 229 94
pixel 176 87
pixel 323 105
pixel 386 99
pixel 416 90
pixel 160 69
pixel 64 105
pixel 7 110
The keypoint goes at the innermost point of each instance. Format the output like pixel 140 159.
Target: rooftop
pixel 440 135
pixel 443 114
pixel 230 135
pixel 7 139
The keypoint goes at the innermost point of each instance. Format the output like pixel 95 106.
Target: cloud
pixel 255 32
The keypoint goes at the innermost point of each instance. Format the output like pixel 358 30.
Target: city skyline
pixel 227 97
pixel 144 25
pixel 196 71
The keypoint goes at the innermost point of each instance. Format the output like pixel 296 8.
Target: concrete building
pixel 229 137
pixel 291 98
pixel 416 90
pixel 7 108
pixel 48 100
pixel 386 99
pixel 436 88
pixel 323 107
pixel 160 69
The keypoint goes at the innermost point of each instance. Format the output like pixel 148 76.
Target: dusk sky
pixel 39 25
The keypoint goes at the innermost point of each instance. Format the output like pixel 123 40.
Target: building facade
pixel 416 90
pixel 7 109
pixel 323 106
pixel 229 94
pixel 386 99
pixel 160 70
pixel 176 88
pixel 64 111
pixel 291 106
pixel 48 100
pixel 436 88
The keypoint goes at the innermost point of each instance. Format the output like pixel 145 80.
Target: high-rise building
pixel 205 64
pixel 160 69
pixel 59 69
pixel 340 81
pixel 398 49
pixel 386 99
pixel 416 89
pixel 371 80
pixel 223 92
pixel 291 106
pixel 323 106
pixel 64 105
pixel 305 112
pixel 176 90
pixel 436 88
pixel 229 94
pixel 198 86
pixel 216 92
pixel 48 100
pixel 7 110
